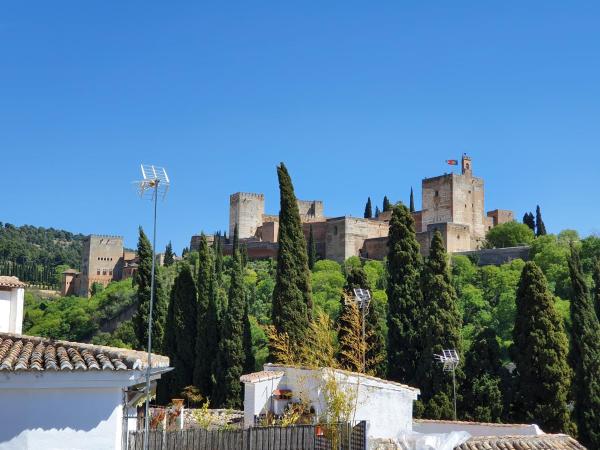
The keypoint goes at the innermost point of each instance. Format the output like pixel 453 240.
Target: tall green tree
pixel 440 327
pixel 312 249
pixel 482 399
pixel 585 356
pixel 377 211
pixel 540 227
pixel 368 209
pixel 143 283
pixel 412 201
pixel 387 205
pixel 540 354
pixel 529 220
pixel 207 332
pixel 292 299
pixel 180 338
pixel 231 357
pixel 596 277
pixel 169 255
pixel 404 296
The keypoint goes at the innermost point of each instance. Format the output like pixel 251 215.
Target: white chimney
pixel 12 293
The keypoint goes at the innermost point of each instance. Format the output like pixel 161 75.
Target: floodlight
pixel 362 299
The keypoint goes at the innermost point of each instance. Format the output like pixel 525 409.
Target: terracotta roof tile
pixel 539 442
pixel 12 282
pixel 263 375
pixel 25 353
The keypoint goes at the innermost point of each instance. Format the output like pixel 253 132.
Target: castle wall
pixel 102 261
pixel 310 210
pixel 319 235
pixel 346 236
pixel 375 248
pixel 246 210
pixel 437 200
pixel 457 237
pixel 468 200
pixel 500 216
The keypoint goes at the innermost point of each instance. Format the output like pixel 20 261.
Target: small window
pixel 104 272
pixel 98 272
pixel 437 193
pixel 335 230
pixel 458 236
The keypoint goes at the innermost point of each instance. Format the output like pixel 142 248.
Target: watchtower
pixel 246 210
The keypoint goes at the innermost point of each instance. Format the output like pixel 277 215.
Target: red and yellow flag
pixel 452 162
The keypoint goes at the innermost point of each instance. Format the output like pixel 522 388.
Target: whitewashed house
pixel 67 395
pixel 387 406
pixel 12 292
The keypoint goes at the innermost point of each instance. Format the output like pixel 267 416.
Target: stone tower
pixel 467 166
pixel 246 210
pixel 101 261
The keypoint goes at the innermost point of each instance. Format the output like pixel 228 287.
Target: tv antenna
pixel 155 183
pixel 450 360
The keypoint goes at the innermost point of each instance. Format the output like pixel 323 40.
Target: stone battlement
pixel 240 195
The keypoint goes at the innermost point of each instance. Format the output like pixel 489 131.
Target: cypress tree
pixel 249 359
pixel 143 284
pixel 482 390
pixel 404 296
pixel 387 206
pixel 169 256
pixel 440 327
pixel 412 201
pixel 231 358
pixel 529 220
pixel 180 339
pixel 377 211
pixel 206 337
pixel 218 253
pixel 292 300
pixel 596 277
pixel 368 209
pixel 236 240
pixel 539 223
pixel 585 356
pixel 540 355
pixel 312 249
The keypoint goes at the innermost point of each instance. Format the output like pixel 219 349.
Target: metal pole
pixel 454 387
pixel 364 339
pixel 147 416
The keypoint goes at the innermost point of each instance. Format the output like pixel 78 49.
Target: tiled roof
pixel 18 353
pixel 540 442
pixel 464 422
pixel 263 375
pixel 11 282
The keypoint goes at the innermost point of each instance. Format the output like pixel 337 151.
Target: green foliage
pixel 529 220
pixel 596 292
pixel 387 205
pixel 44 246
pixel 404 296
pixel 206 316
pixel 412 201
pixel 78 319
pixel 540 227
pixel 292 299
pixel 368 209
pixel 143 284
pixel 312 249
pixel 232 357
pixel 327 286
pixel 169 255
pixel 540 354
pixel 96 288
pixel 180 336
pixel 585 356
pixel 509 234
pixel 482 395
pixel 440 328
pixel 551 255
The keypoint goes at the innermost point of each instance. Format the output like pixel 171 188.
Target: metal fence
pixel 344 436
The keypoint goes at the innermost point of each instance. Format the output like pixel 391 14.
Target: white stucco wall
pixel 63 410
pixel 385 406
pixel 11 310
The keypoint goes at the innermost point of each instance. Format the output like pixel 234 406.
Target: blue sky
pixel 356 98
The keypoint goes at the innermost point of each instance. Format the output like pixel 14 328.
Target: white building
pixel 67 395
pixel 387 406
pixel 12 292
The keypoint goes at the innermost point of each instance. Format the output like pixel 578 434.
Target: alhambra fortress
pixel 452 204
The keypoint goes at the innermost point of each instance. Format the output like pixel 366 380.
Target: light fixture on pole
pixel 362 299
pixel 450 360
pixel 155 183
